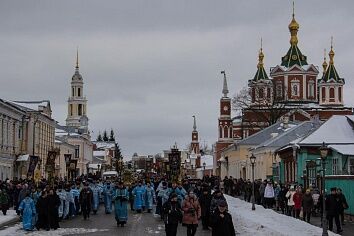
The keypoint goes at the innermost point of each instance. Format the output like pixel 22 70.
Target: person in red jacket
pixel 297 202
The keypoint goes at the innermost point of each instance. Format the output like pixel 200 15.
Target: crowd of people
pixel 291 199
pixel 43 205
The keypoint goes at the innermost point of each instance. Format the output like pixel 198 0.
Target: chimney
pixel 286 122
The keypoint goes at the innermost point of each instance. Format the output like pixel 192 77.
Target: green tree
pixel 118 152
pixel 112 138
pixel 99 137
pixel 105 136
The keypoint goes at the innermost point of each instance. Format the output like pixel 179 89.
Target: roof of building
pixel 345 149
pixel 261 74
pixel 99 153
pixel 264 135
pixel 331 72
pixel 289 135
pixel 104 145
pixel 294 55
pixel 336 130
pixel 31 105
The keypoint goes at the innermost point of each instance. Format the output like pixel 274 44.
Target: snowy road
pixel 102 224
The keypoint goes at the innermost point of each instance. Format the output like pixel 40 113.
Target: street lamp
pixel 253 162
pixel 204 164
pixel 323 153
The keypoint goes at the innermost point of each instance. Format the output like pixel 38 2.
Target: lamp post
pixel 253 161
pixel 204 165
pixel 323 153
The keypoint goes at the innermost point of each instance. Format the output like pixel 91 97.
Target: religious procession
pixel 43 206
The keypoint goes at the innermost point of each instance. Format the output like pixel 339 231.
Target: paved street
pixel 138 224
pixel 103 224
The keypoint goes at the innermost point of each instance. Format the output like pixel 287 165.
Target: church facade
pixel 294 89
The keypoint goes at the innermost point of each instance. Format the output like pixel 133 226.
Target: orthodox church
pixel 294 89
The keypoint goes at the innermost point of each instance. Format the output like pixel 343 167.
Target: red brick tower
pixel 195 143
pixel 225 137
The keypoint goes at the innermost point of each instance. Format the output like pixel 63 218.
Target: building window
pixel 323 94
pixel 269 91
pixel 220 132
pixel 71 109
pixel 351 165
pixel 311 89
pixel 279 89
pixel 295 85
pixel 80 110
pixel 73 91
pixel 340 94
pixel 77 151
pixel 260 93
pixel 335 166
pixel 79 92
pixel 226 132
pixel 331 93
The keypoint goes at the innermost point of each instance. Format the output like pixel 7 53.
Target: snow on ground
pixel 18 231
pixel 266 221
pixel 10 215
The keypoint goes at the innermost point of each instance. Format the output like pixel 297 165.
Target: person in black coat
pixel 86 199
pixel 173 214
pixel 42 210
pixel 53 205
pixel 221 221
pixel 205 201
pixel 343 206
pixel 333 205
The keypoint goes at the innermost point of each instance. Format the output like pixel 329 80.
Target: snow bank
pixel 266 221
pixel 18 231
pixel 10 215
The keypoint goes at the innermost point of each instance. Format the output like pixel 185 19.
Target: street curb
pixel 10 222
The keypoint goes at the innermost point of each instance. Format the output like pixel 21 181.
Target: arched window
pixel 71 109
pixel 253 95
pixel 220 132
pixel 226 132
pixel 260 93
pixel 80 110
pixel 295 85
pixel 323 94
pixel 73 92
pixel 331 93
pixel 78 92
pixel 279 89
pixel 311 89
pixel 269 91
pixel 340 94
pixel 230 132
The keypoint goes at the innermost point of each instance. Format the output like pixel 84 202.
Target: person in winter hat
pixel 221 221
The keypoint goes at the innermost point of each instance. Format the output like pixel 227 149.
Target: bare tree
pixel 258 111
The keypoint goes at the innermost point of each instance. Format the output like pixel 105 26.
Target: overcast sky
pixel 149 65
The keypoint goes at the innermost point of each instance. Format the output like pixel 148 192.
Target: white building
pixel 12 121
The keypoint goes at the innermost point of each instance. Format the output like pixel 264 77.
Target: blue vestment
pixel 29 212
pixel 121 200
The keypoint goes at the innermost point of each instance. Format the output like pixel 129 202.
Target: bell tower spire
pixel 225 89
pixel 77 58
pixel 324 64
pixel 77 103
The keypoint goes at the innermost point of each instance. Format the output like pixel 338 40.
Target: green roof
pixel 294 57
pixel 261 74
pixel 331 73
